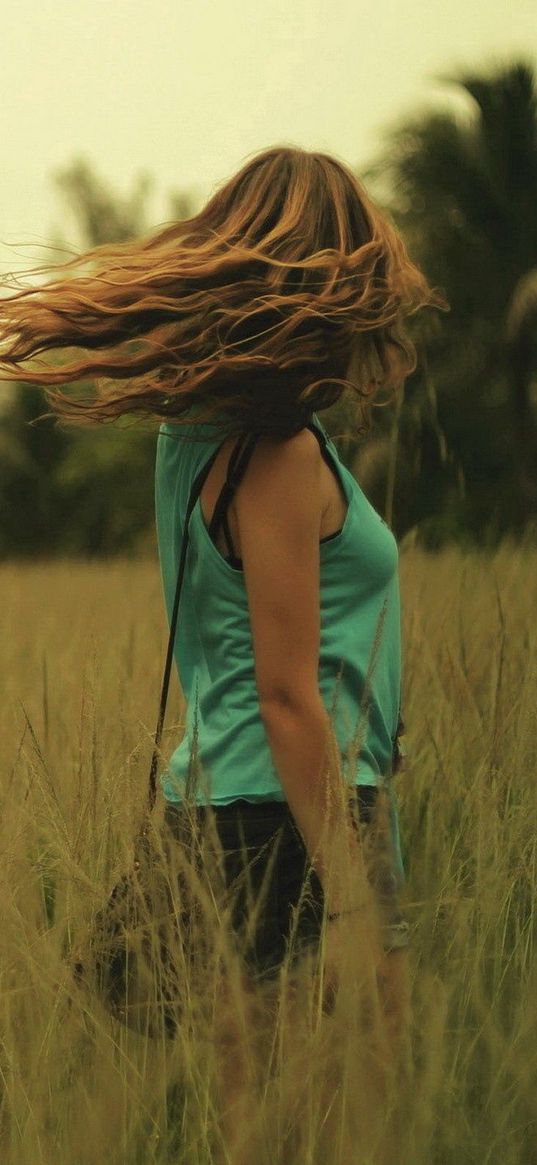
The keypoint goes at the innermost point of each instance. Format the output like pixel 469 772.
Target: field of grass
pixel 81 657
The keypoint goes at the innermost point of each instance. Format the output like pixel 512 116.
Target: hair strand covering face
pixel 253 311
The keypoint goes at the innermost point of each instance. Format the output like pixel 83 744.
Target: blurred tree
pixel 83 491
pixel 464 193
pixel 101 215
pixel 30 508
pixel 522 340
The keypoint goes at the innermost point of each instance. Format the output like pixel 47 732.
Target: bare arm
pixel 279 516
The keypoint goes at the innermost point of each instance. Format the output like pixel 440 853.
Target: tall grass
pixel 82 651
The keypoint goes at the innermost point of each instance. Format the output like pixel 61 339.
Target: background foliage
pixel 456 459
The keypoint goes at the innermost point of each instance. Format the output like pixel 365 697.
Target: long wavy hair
pixel 288 289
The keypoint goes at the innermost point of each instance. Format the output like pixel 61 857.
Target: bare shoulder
pixel 284 460
pixel 282 480
pixel 279 514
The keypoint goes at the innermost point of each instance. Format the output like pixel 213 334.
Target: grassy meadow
pixel 81 657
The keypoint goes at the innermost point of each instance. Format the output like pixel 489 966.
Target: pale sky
pixel 186 90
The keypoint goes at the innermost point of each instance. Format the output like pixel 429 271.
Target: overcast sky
pixel 188 89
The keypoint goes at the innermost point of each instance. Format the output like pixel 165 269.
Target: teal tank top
pixel 225 741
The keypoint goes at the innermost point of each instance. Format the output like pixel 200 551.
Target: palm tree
pixel 464 193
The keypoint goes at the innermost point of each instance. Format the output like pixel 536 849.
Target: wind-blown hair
pixel 286 290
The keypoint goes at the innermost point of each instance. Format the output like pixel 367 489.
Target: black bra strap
pixel 227 535
pixel 236 469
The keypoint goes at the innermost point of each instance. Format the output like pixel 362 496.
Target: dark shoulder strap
pixel 236 469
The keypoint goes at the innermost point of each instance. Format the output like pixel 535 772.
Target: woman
pixel 236 328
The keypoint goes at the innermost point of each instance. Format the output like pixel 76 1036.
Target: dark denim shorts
pixel 267 873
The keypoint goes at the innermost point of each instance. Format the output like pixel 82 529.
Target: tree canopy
pixel 463 190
